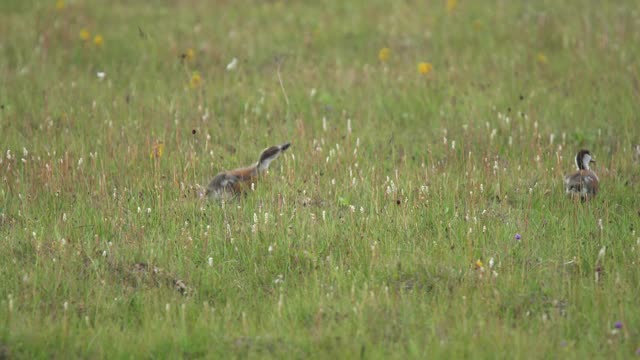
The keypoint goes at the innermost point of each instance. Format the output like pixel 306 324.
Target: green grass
pixel 362 242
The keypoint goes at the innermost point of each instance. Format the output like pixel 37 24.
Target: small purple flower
pixel 618 325
pixel 563 343
pixel 518 237
pixel 638 351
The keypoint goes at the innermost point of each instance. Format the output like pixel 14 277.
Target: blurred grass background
pixel 387 230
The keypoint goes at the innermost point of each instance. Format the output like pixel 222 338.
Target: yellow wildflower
pixel 451 5
pixel 384 54
pixel 98 40
pixel 189 55
pixel 425 68
pixel 157 149
pixel 479 264
pixel 196 80
pixel 85 35
pixel 60 4
pixel 542 58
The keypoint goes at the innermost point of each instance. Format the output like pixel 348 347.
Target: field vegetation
pixel 419 213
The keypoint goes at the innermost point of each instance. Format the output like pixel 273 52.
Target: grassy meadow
pixel 419 213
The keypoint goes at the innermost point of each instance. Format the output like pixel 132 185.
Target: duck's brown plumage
pixel 584 182
pixel 228 184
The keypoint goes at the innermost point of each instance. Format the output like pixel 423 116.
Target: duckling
pixel 229 184
pixel 584 182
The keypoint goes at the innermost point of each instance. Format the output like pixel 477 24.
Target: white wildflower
pixel 233 64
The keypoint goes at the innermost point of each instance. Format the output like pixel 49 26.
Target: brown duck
pixel 584 182
pixel 229 184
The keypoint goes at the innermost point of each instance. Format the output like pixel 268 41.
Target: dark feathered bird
pixel 228 184
pixel 584 182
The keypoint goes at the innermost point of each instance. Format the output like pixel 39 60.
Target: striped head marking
pixel 583 159
pixel 270 154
